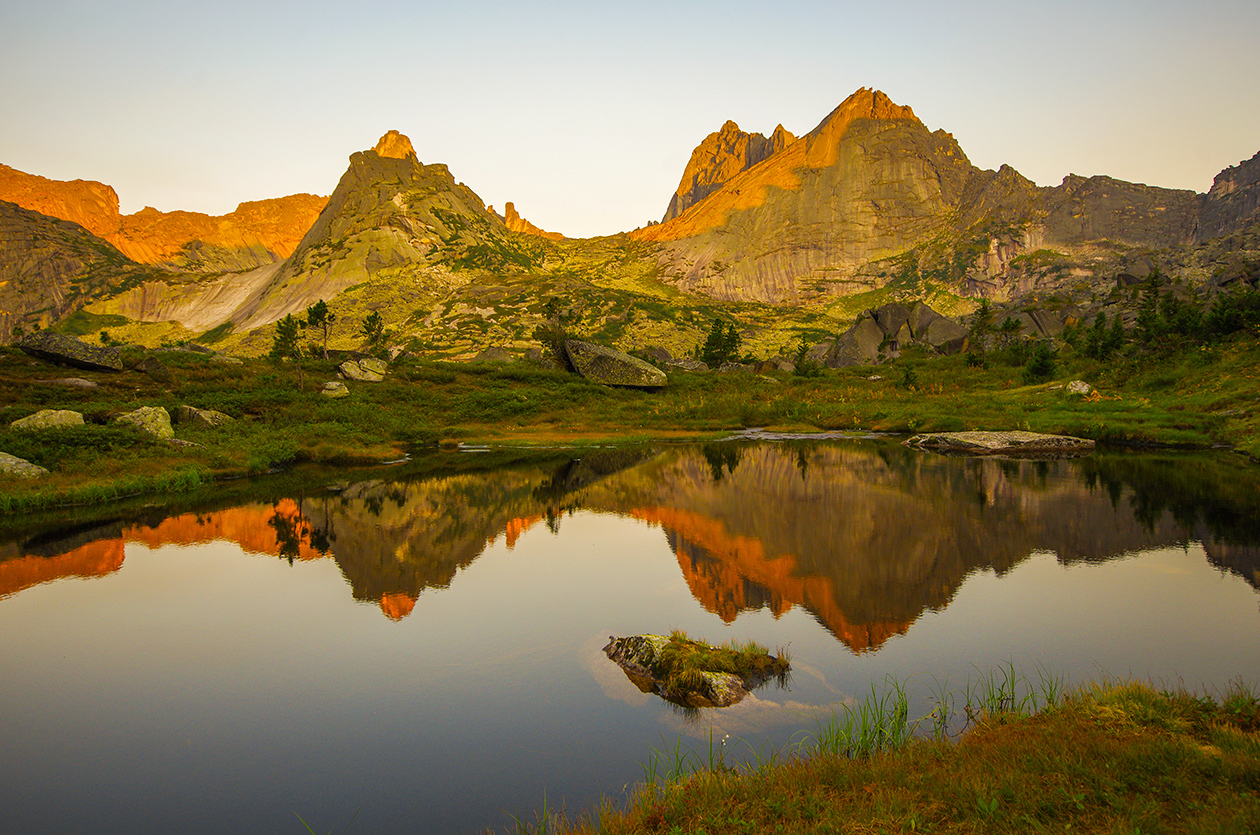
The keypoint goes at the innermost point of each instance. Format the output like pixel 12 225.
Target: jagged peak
pixel 865 103
pixel 394 145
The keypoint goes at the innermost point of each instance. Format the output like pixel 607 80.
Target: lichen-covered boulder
pixel 12 465
pixel 66 350
pixel 48 419
pixel 154 420
pixel 335 389
pixel 859 345
pixel 200 418
pixel 366 370
pixel 1080 387
pixel 611 367
pixel 1017 443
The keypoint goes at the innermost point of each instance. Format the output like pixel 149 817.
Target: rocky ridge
pixel 720 157
pixel 257 232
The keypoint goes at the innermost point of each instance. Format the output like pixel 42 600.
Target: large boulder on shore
pixel 66 350
pixel 48 419
pixel 20 467
pixel 611 367
pixel 1017 443
pixel 154 420
pixel 859 345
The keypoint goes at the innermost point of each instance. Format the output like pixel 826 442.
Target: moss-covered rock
pixel 692 673
pixel 48 419
pixel 153 420
pixel 611 367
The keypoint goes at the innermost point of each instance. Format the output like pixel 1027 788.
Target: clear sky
pixel 584 113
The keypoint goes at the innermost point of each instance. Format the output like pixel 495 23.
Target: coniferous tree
pixel 285 344
pixel 319 316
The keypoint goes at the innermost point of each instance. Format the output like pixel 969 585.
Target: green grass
pixel 1105 758
pixel 683 661
pixel 1215 401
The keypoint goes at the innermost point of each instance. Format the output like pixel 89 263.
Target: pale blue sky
pixel 584 114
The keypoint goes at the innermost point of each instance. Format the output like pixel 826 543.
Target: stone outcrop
pixel 611 367
pixel 720 157
pixel 882 333
pixel 66 350
pixel 20 467
pixel 49 419
pixel 153 420
pixel 200 418
pixel 1024 444
pixel 513 221
pixel 1233 203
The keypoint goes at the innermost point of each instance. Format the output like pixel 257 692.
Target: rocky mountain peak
pixel 722 155
pixel 394 145
pixel 1233 201
pixel 865 103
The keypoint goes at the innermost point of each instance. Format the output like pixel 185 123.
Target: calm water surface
pixel 425 651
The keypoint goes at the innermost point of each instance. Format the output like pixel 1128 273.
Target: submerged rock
pixel 1031 444
pixel 642 658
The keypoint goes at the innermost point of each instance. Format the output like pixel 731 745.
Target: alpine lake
pixel 418 648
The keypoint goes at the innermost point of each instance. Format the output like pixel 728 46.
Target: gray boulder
pixel 67 350
pixel 859 345
pixel 921 316
pixel 154 420
pixel 611 367
pixel 366 370
pixel 335 390
pixel 1048 322
pixel 12 465
pixel 945 335
pixel 48 419
pixel 200 418
pixel 891 317
pixel 1080 387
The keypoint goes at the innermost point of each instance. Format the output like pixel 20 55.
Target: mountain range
pixel 789 236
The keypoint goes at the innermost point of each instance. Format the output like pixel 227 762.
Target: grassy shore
pixel 1196 397
pixel 1114 758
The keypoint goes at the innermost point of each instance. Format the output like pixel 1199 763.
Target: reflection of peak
pixel 397 605
pixel 92 559
pixel 729 574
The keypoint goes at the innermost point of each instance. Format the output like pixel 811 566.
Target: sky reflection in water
pixel 174 670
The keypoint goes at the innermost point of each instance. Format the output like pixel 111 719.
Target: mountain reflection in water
pixel 864 536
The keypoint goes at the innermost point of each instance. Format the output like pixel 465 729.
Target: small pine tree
pixel 285 344
pixel 1042 366
pixel 319 316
